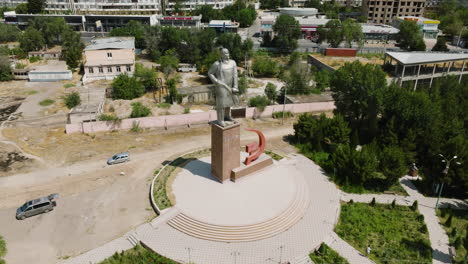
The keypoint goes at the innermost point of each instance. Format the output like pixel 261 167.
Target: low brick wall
pixel 189 119
pixel 340 52
pixel 320 65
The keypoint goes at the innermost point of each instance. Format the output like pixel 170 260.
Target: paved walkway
pixel 437 235
pixel 346 250
pixel 292 245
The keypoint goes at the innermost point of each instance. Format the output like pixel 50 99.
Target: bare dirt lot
pixel 97 202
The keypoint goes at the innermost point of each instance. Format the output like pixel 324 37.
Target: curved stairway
pixel 243 233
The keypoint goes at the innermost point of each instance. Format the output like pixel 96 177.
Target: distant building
pixel 52 54
pixel 383 12
pixel 106 58
pixel 179 21
pixel 379 32
pixel 298 11
pixel 222 26
pixel 50 72
pixel 84 113
pixel 429 27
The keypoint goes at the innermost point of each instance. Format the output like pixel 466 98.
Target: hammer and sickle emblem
pixel 255 149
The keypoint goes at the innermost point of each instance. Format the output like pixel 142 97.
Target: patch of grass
pixel 135 127
pixel 279 114
pixel 326 255
pixel 20 66
pixel 187 110
pixel 68 85
pixel 46 102
pixel 32 92
pixel 458 230
pixel 371 55
pixel 159 189
pixel 137 255
pixel 34 59
pixel 72 100
pixel 395 234
pixel 164 105
pixel 273 155
pixel 3 249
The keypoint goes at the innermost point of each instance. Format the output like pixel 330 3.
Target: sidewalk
pixel 346 250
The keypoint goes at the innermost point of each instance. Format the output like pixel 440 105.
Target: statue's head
pixel 224 54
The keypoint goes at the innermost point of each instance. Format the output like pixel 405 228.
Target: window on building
pixel 101 70
pixel 90 70
pixel 109 55
pixel 109 69
pixel 118 69
pixel 129 68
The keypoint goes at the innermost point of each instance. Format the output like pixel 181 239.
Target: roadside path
pixel 346 250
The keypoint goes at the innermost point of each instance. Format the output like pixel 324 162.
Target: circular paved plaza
pixel 277 214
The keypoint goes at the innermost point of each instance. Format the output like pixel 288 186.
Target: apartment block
pixel 384 11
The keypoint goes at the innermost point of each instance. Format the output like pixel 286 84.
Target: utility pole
pixel 284 103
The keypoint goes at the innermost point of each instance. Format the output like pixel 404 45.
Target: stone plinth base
pixel 262 162
pixel 225 150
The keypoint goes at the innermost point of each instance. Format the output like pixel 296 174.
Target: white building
pixel 120 7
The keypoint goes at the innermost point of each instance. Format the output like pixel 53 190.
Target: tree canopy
pixel 5 69
pixel 127 88
pixel 440 45
pixel 287 31
pixel 132 28
pixel 9 33
pixel 36 6
pixel 410 37
pixel 335 32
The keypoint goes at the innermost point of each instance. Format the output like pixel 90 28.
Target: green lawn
pixel 137 255
pixel 46 102
pixel 3 249
pixel 326 255
pixel 396 235
pixel 457 230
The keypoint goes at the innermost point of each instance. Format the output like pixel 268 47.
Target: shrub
pixel 243 85
pixel 135 127
pixel 68 85
pixel 3 249
pixel 139 110
pixel 448 223
pixel 34 59
pixel 458 242
pixel 271 92
pixel 351 201
pixel 414 206
pixel 46 102
pixel 20 66
pixel 72 100
pixel 164 105
pixel 454 232
pixel 260 102
pixel 372 203
pixel 125 87
pixel 420 218
pixel 264 66
pixel 279 114
pixel 187 110
pixel 104 117
pixel 393 203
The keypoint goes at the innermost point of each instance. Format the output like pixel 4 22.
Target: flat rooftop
pixel 409 58
pixel 51 66
pixel 422 19
pixel 111 43
pixel 379 28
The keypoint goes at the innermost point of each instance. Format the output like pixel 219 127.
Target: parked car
pixel 37 206
pixel 118 158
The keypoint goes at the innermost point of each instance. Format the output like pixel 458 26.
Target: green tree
pixel 173 94
pixel 392 164
pixel 287 31
pixel 358 93
pixel 71 42
pixel 410 36
pixel 271 92
pixel 139 110
pixel 147 77
pixel 36 6
pixel 208 13
pixel 9 33
pixel 332 32
pixel 31 40
pixel 72 100
pixel 298 79
pixel 169 62
pixel 243 84
pixel 322 79
pixel 239 11
pixel 21 8
pixel 238 49
pixel 313 4
pixel 5 69
pixel 134 29
pixel 352 32
pixel 127 88
pixel 440 45
pixel 270 4
pixel 51 28
pixel 152 39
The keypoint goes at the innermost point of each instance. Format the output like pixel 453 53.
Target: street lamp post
pixel 445 172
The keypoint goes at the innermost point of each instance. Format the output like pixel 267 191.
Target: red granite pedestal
pixel 225 150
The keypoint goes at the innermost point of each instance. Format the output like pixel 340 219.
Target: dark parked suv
pixel 37 206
